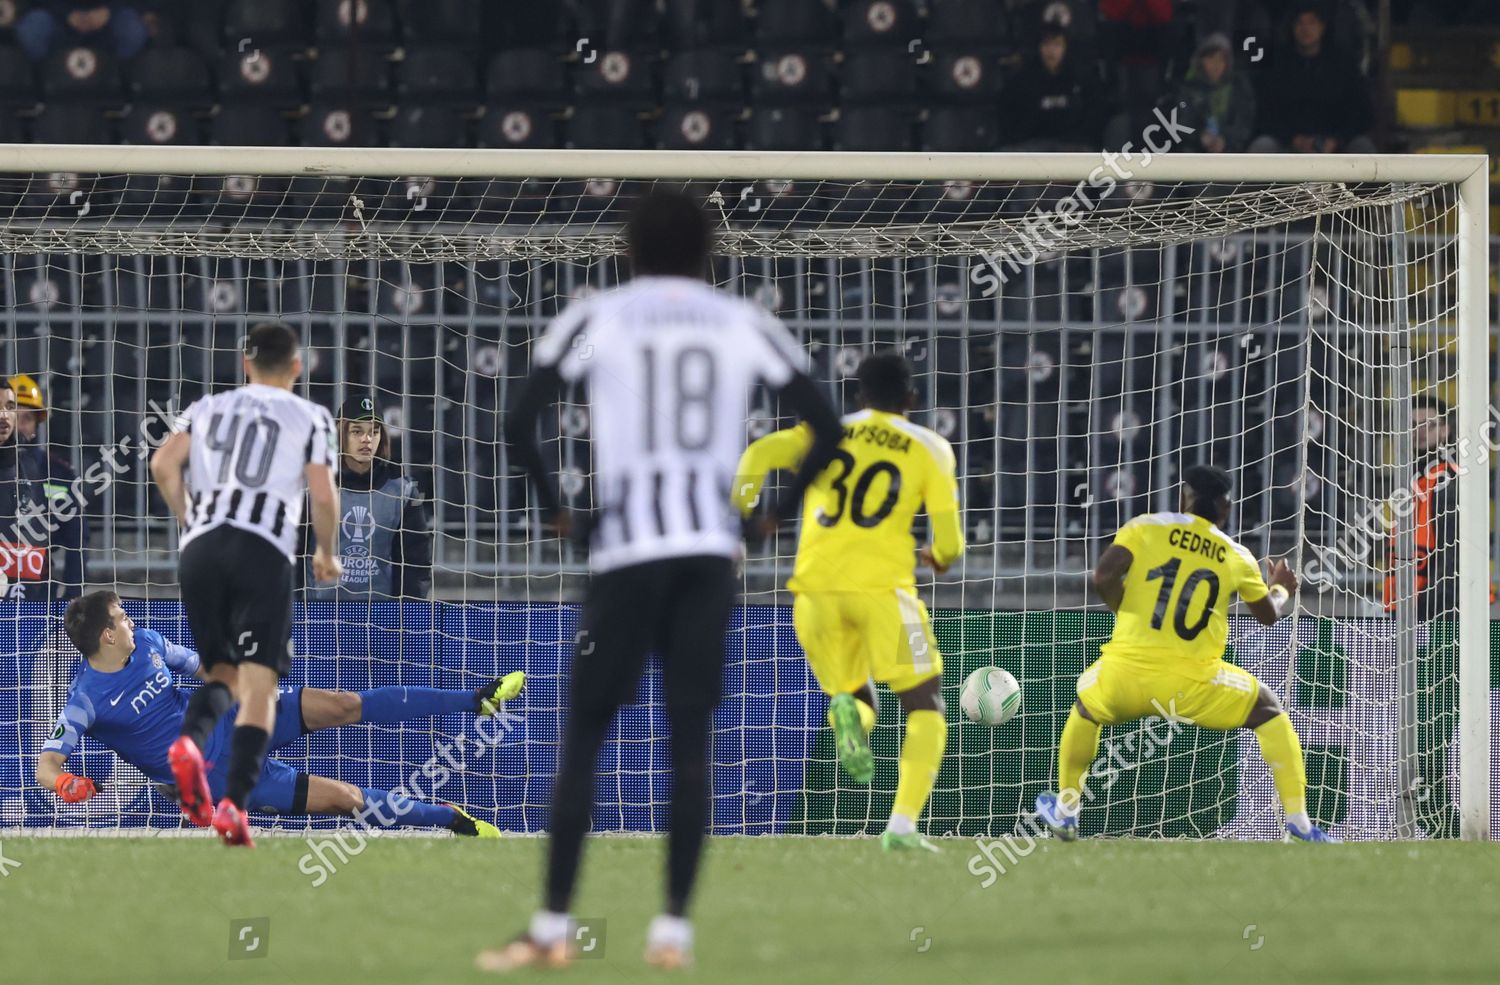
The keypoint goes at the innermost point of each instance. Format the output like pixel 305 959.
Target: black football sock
pixel 204 709
pixel 689 807
pixel 247 751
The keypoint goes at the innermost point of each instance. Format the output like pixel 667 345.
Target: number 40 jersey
pixel 858 513
pixel 245 464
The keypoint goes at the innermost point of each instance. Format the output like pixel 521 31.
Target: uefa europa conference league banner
pixel 773 761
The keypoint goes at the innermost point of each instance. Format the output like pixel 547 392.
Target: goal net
pixel 1081 333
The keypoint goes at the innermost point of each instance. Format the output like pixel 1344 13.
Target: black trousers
pixel 679 609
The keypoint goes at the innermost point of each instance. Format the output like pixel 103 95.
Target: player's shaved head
pixel 669 235
pixel 271 348
pixel 885 382
pixel 86 619
pixel 1205 491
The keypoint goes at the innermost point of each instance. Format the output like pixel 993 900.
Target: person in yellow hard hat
pixel 59 491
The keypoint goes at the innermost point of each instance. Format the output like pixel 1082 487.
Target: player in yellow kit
pixel 855 607
pixel 1168 577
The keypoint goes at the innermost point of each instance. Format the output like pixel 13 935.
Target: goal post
pixel 1103 408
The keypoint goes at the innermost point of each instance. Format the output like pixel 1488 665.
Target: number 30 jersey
pixel 857 515
pixel 1175 612
pixel 245 463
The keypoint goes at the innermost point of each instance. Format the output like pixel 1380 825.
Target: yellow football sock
pixel 1283 753
pixel 921 757
pixel 1075 751
pixel 866 716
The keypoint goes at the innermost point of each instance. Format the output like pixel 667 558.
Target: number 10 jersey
pixel 1175 612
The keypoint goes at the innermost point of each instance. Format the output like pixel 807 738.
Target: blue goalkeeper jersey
pixel 136 711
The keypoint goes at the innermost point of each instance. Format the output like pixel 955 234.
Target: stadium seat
pixel 438 76
pixel 517 125
pixel 71 123
pixel 605 127
pixel 249 125
pixel 692 126
pixel 336 123
pixel 351 75
pixel 12 131
pixel 784 128
pixel 967 76
pixel 882 77
pixel 791 77
pixel 882 24
pixel 872 128
pixel 978 24
pixel 960 129
pixel 148 122
pixel 703 77
pixel 618 78
pixel 172 73
pixel 441 23
pixel 17 80
pixel 529 75
pixel 429 126
pixel 617 25
pixel 528 25
pixel 252 24
pixel 268 75
pixel 795 22
pixel 691 24
pixel 368 24
pixel 82 75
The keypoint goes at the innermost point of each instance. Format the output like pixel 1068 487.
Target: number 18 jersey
pixel 857 515
pixel 245 463
pixel 1175 611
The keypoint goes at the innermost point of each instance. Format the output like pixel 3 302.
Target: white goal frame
pixel 1467 173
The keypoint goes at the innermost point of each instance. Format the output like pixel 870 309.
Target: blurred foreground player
pixel 856 610
pixel 250 454
pixel 1168 578
pixel 671 365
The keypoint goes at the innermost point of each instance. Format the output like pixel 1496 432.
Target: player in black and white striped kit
pixel 671 365
pixel 249 453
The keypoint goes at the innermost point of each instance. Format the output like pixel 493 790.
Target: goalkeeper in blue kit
pixel 126 696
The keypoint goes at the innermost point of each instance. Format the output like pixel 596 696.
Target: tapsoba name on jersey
pixel 875 434
pixel 1189 540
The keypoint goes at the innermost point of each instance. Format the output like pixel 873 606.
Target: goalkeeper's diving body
pixel 855 609
pixel 126 696
pixel 1168 578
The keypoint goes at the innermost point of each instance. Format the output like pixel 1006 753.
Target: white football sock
pixel 1300 821
pixel 670 931
pixel 902 825
pixel 548 927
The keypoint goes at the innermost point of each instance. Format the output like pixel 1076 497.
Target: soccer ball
pixel 990 696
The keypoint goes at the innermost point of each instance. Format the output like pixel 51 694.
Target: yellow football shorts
pixel 1114 693
pixel 853 637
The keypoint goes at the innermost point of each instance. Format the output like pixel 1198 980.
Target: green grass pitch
pixel 777 910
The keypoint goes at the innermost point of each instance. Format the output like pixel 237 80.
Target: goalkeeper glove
pixel 75 789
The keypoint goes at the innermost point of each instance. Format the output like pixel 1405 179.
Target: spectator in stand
pixel 1050 102
pixel 1312 100
pixel 24 536
pixel 385 534
pixel 1215 100
pixel 117 27
pixel 58 480
pixel 1137 35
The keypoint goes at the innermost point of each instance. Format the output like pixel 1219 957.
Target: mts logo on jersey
pixel 160 683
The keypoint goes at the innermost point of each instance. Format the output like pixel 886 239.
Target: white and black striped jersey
pixel 245 462
pixel 671 364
